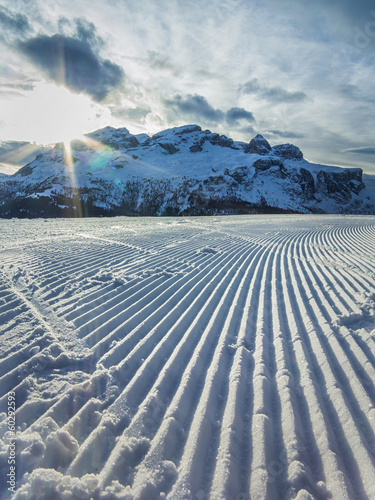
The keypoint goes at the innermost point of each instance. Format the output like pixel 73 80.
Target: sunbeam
pixel 75 197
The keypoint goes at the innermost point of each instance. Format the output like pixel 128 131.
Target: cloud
pixel 365 150
pixel 17 85
pixel 356 93
pixel 273 94
pixel 86 32
pixel 18 89
pixel 14 23
pixel 248 131
pixel 137 113
pixel 234 115
pixel 337 17
pixel 160 62
pixel 72 62
pixel 286 134
pixel 194 107
pixel 81 29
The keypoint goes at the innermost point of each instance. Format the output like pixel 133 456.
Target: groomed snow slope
pixel 198 358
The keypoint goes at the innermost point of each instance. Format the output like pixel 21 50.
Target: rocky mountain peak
pixel 116 138
pixel 177 131
pixel 288 151
pixel 258 145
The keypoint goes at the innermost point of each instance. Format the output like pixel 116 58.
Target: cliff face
pixel 181 171
pixel 340 185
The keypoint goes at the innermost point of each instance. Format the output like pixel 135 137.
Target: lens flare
pixel 72 187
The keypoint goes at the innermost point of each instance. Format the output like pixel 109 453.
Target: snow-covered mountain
pixel 15 154
pixel 180 171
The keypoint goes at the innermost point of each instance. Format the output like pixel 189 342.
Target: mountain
pixel 15 154
pixel 369 180
pixel 180 171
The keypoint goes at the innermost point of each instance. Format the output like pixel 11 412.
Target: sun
pixel 51 113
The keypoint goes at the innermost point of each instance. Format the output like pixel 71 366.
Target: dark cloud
pixel 74 63
pixel 366 150
pixel 86 32
pixel 286 134
pixel 81 29
pixel 273 94
pixel 234 115
pixel 64 25
pixel 14 23
pixel 195 107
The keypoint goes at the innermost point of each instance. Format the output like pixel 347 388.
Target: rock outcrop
pixel 288 151
pixel 259 146
pixel 340 185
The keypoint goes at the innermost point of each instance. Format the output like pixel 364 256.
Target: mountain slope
pixel 180 171
pixel 15 154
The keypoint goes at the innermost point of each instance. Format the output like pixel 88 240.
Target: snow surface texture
pixel 199 358
pixel 180 171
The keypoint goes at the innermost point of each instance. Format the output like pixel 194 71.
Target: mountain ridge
pixel 179 171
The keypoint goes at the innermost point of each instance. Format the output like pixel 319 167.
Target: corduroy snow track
pixel 189 358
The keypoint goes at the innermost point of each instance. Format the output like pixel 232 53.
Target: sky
pixel 294 71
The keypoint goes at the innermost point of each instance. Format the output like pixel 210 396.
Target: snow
pixel 189 358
